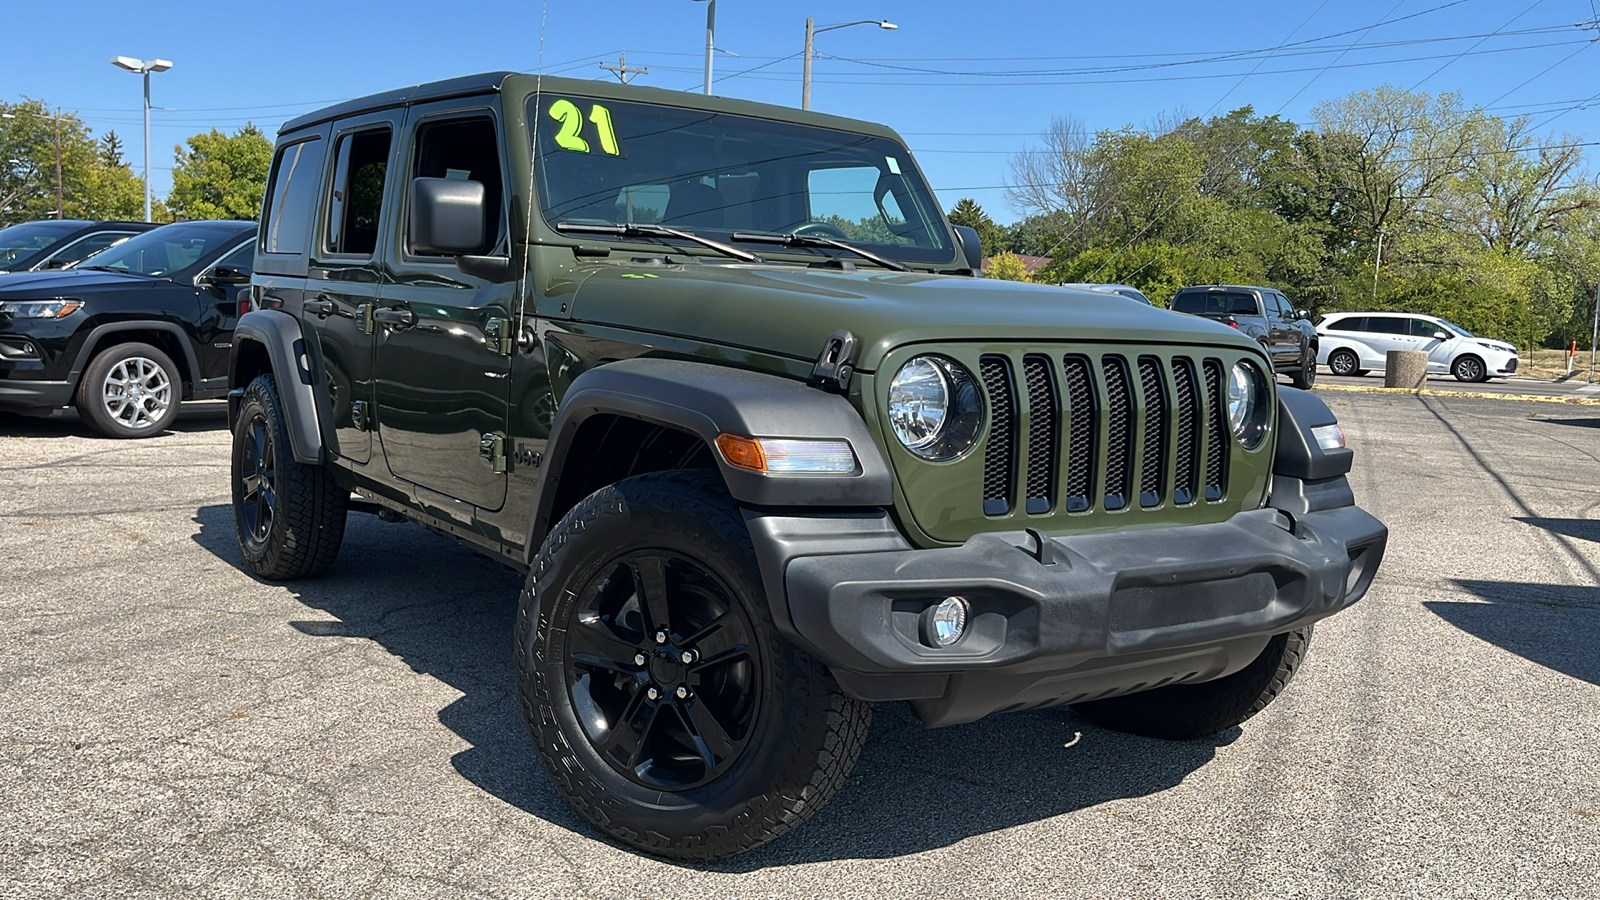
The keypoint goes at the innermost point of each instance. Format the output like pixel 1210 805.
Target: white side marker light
pixel 1329 437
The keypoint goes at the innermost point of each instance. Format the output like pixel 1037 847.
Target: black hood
pixel 63 282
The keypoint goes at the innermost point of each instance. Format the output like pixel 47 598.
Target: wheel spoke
pixel 594 644
pixel 710 739
pixel 650 583
pixel 624 741
pixel 732 654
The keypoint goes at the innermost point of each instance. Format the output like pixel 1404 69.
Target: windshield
pixel 612 162
pixel 1456 328
pixel 166 249
pixel 21 243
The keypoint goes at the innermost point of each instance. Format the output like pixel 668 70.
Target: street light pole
pixel 59 216
pixel 811 32
pixel 711 38
pixel 144 67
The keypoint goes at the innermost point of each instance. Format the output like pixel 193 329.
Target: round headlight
pixel 1247 404
pixel 934 408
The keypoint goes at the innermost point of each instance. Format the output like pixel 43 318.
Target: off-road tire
pixel 1463 368
pixel 805 733
pixel 1306 378
pixel 307 520
pixel 1188 711
pixel 1338 366
pixel 90 395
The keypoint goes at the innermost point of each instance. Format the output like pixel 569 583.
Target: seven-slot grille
pixel 1158 422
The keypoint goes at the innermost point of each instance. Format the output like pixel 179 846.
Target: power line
pixel 1507 24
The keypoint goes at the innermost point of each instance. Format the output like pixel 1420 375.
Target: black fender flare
pixel 1305 477
pixel 91 345
pixel 279 334
pixel 707 400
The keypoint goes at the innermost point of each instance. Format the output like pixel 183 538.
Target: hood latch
pixel 836 363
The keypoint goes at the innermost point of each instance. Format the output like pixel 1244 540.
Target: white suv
pixel 1351 343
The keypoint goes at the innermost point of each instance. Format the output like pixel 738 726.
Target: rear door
pixel 442 372
pixel 344 276
pixel 1390 333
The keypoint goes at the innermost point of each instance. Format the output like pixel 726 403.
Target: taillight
pixel 244 305
pixel 1234 325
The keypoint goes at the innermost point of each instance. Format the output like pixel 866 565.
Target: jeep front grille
pixel 1146 417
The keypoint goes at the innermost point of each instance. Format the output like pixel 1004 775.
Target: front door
pixel 219 311
pixel 1440 350
pixel 443 363
pixel 342 284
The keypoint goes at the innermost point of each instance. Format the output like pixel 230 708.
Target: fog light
pixel 947 622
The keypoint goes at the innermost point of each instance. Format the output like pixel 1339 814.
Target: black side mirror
pixel 445 216
pixel 1302 314
pixel 59 263
pixel 971 245
pixel 228 275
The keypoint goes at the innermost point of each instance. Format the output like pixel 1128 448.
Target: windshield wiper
pixel 104 269
pixel 636 229
pixel 795 239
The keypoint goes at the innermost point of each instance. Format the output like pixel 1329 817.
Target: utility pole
pixel 58 166
pixel 1377 264
pixel 1595 334
pixel 622 71
pixel 805 77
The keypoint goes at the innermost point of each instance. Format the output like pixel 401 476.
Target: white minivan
pixel 1352 343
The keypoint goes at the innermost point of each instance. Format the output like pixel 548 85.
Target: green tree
pixel 221 176
pixel 967 212
pixel 90 188
pixel 1007 266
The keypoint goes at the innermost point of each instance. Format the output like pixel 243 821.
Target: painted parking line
pixel 1591 400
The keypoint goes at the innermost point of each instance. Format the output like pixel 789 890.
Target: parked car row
pixel 123 320
pixel 1348 343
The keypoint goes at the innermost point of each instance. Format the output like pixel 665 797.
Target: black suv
pixel 147 324
pixel 60 243
pixel 1264 314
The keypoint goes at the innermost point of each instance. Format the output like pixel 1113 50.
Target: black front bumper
pixel 1083 617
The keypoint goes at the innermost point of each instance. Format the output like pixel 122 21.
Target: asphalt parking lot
pixel 173 727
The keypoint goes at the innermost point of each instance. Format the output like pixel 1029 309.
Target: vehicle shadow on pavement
pixel 1581 423
pixel 1553 625
pixel 1584 529
pixel 449 615
pixel 193 418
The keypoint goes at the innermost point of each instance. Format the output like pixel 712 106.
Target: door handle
pixel 394 316
pixel 322 307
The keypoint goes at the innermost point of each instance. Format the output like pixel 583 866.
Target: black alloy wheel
pixel 1306 378
pixel 258 477
pixel 664 702
pixel 289 516
pixel 661 670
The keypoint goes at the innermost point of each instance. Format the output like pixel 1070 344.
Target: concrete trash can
pixel 1405 369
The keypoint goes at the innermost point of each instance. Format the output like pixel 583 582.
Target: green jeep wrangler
pixel 723 381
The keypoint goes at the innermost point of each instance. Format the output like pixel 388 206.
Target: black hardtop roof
pixel 519 83
pixel 1226 287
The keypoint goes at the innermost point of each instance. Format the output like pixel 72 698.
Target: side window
pixel 355 207
pixel 466 149
pixel 1424 328
pixel 1284 309
pixel 242 258
pixel 1387 325
pixel 89 246
pixel 1350 323
pixel 291 202
pixel 1242 304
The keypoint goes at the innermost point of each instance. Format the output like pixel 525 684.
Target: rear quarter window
pixel 290 206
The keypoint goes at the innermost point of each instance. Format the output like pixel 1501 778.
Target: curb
pixel 1474 395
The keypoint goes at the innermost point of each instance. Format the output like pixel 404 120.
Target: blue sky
pixel 1020 63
